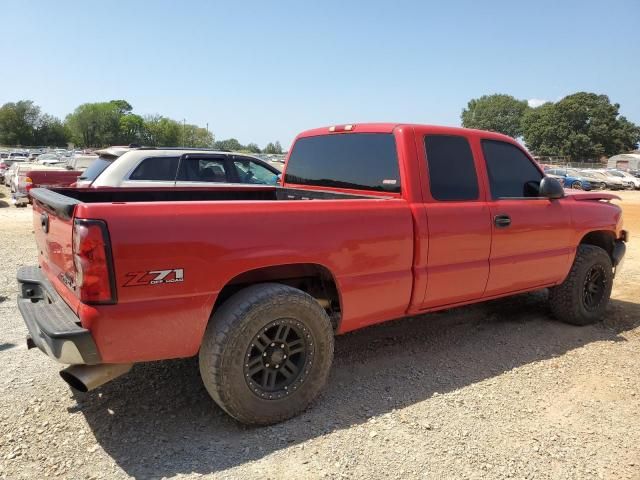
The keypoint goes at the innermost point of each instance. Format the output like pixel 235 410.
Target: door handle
pixel 502 221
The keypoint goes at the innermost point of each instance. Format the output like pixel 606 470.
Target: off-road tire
pixel 567 299
pixel 229 335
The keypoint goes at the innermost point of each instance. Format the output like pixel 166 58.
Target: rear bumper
pixel 20 198
pixel 53 326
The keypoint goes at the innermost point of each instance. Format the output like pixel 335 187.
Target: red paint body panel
pixel 390 254
pixel 52 178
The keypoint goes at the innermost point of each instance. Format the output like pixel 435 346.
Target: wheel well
pixel 600 238
pixel 311 278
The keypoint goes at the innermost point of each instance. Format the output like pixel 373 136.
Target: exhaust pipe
pixel 88 377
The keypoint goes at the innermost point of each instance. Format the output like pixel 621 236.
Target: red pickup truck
pixel 371 222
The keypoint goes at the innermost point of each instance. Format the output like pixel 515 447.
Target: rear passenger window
pixel 511 173
pixel 203 170
pixel 452 173
pixel 156 168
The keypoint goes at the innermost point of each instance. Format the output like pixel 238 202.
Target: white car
pixel 626 177
pixel 49 159
pixel 179 167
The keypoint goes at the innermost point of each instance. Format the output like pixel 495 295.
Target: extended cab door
pixel 531 242
pixel 459 228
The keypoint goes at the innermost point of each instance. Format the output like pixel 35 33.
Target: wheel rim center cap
pixel 277 356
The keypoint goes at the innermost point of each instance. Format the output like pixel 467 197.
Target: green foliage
pixel 194 136
pixel 497 113
pixel 106 123
pixel 131 128
pixel 231 144
pixel 161 131
pixel 18 122
pixel 273 148
pixel 50 131
pixel 580 126
pixel 252 148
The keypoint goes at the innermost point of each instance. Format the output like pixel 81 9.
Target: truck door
pixel 458 218
pixel 531 241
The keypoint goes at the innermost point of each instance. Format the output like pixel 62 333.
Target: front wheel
pixel 266 353
pixel 583 297
pixel 576 185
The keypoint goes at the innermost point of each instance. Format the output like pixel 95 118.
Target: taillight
pixel 28 183
pixel 93 263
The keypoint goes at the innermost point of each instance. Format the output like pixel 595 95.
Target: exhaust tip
pixel 85 378
pixel 73 381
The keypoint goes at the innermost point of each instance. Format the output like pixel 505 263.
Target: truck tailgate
pixel 53 229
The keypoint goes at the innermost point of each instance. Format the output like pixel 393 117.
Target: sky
pixel 264 71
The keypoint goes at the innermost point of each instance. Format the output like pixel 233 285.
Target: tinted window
pixel 203 170
pixel 364 161
pixel 96 168
pixel 511 173
pixel 452 174
pixel 156 168
pixel 252 172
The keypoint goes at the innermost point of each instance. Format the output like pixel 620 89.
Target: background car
pixel 616 182
pixel 577 183
pixel 168 167
pixel 626 177
pixel 597 180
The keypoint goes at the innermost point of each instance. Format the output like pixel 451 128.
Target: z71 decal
pixel 154 277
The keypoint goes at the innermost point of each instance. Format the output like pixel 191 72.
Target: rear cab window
pixel 359 161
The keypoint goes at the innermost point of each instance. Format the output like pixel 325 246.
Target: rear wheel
pixel 576 185
pixel 583 297
pixel 266 353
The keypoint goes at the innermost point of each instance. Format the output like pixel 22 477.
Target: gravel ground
pixel 497 390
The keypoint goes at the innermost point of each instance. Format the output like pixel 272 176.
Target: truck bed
pixel 365 243
pixel 64 200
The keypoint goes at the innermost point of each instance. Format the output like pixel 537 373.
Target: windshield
pixel 96 168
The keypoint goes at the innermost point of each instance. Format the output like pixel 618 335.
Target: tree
pixel 230 144
pixel 104 123
pixel 253 148
pixel 18 122
pixel 273 148
pixel 497 113
pixel 50 131
pixel 161 131
pixel 131 128
pixel 197 137
pixel 580 126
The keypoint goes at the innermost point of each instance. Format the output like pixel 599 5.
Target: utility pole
pixel 184 132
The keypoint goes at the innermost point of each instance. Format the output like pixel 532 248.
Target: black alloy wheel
pixel 278 359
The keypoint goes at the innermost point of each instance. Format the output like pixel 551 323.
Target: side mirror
pixel 551 188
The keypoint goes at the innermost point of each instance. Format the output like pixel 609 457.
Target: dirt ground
pixel 496 390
